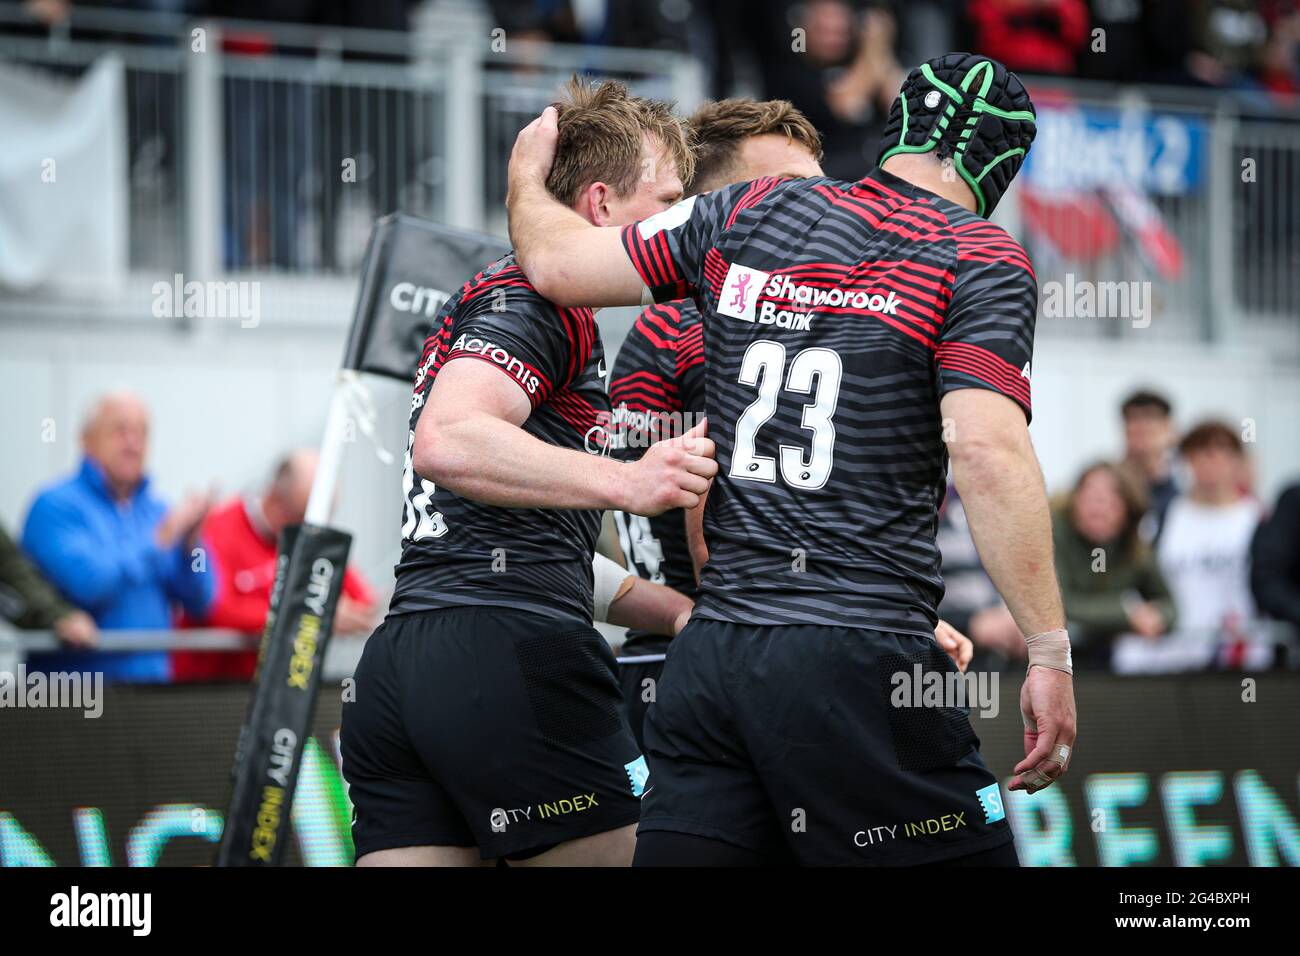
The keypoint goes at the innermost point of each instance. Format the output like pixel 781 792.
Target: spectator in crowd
pixel 927 28
pixel 1110 582
pixel 970 601
pixel 594 22
pixel 1279 69
pixel 1148 451
pixel 1204 554
pixel 29 603
pixel 1120 57
pixel 835 63
pixel 1229 37
pixel 244 533
pixel 111 546
pixel 1031 36
pixel 1275 560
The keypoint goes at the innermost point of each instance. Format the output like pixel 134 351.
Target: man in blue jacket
pixel 112 547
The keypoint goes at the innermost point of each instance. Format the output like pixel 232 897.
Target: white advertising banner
pixel 63 178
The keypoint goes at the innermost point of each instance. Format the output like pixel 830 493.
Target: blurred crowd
pixel 1167 560
pixel 100 553
pixel 840 61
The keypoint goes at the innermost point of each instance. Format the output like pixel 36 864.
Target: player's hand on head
pixel 534 150
pixel 1047 706
pixel 955 644
pixel 673 473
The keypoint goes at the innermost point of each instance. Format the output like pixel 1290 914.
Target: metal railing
pixel 259 147
pixel 1189 200
pixel 340 661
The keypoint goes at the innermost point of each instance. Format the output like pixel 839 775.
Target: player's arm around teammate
pixel 575 263
pixel 1001 487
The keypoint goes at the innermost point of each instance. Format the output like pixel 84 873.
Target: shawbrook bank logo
pixel 744 287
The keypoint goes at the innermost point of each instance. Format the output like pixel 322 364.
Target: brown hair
pixel 601 127
pixel 719 127
pixel 1145 400
pixel 1211 434
pixel 1131 491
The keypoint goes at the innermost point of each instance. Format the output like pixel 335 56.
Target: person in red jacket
pixel 243 535
pixel 1031 36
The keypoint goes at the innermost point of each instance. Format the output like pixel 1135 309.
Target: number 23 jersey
pixel 836 316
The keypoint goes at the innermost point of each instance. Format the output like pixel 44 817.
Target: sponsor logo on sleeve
pixel 495 353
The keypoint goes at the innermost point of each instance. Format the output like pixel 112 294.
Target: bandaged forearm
pixel 610 582
pixel 1050 649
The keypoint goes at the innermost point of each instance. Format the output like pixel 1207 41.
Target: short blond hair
pixel 718 128
pixel 601 126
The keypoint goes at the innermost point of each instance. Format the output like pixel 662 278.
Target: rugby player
pixel 486 722
pixel 857 337
pixel 657 383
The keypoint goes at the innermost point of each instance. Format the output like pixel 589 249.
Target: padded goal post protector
pixel 308 581
pixel 412 266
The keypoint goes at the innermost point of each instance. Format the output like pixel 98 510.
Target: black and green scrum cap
pixel 970 108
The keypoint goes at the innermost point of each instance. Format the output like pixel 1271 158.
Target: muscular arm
pixel 1001 488
pixel 568 260
pixel 469 440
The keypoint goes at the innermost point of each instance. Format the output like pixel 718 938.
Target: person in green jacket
pixel 28 602
pixel 1110 581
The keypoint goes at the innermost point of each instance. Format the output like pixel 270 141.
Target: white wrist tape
pixel 1050 649
pixel 611 582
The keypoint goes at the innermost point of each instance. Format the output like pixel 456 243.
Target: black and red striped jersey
pixel 836 316
pixel 456 551
pixel 657 392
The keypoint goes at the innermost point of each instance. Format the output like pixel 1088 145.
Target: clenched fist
pixel 671 474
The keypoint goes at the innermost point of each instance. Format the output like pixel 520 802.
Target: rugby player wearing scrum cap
pixel 486 722
pixel 657 383
pixel 857 337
